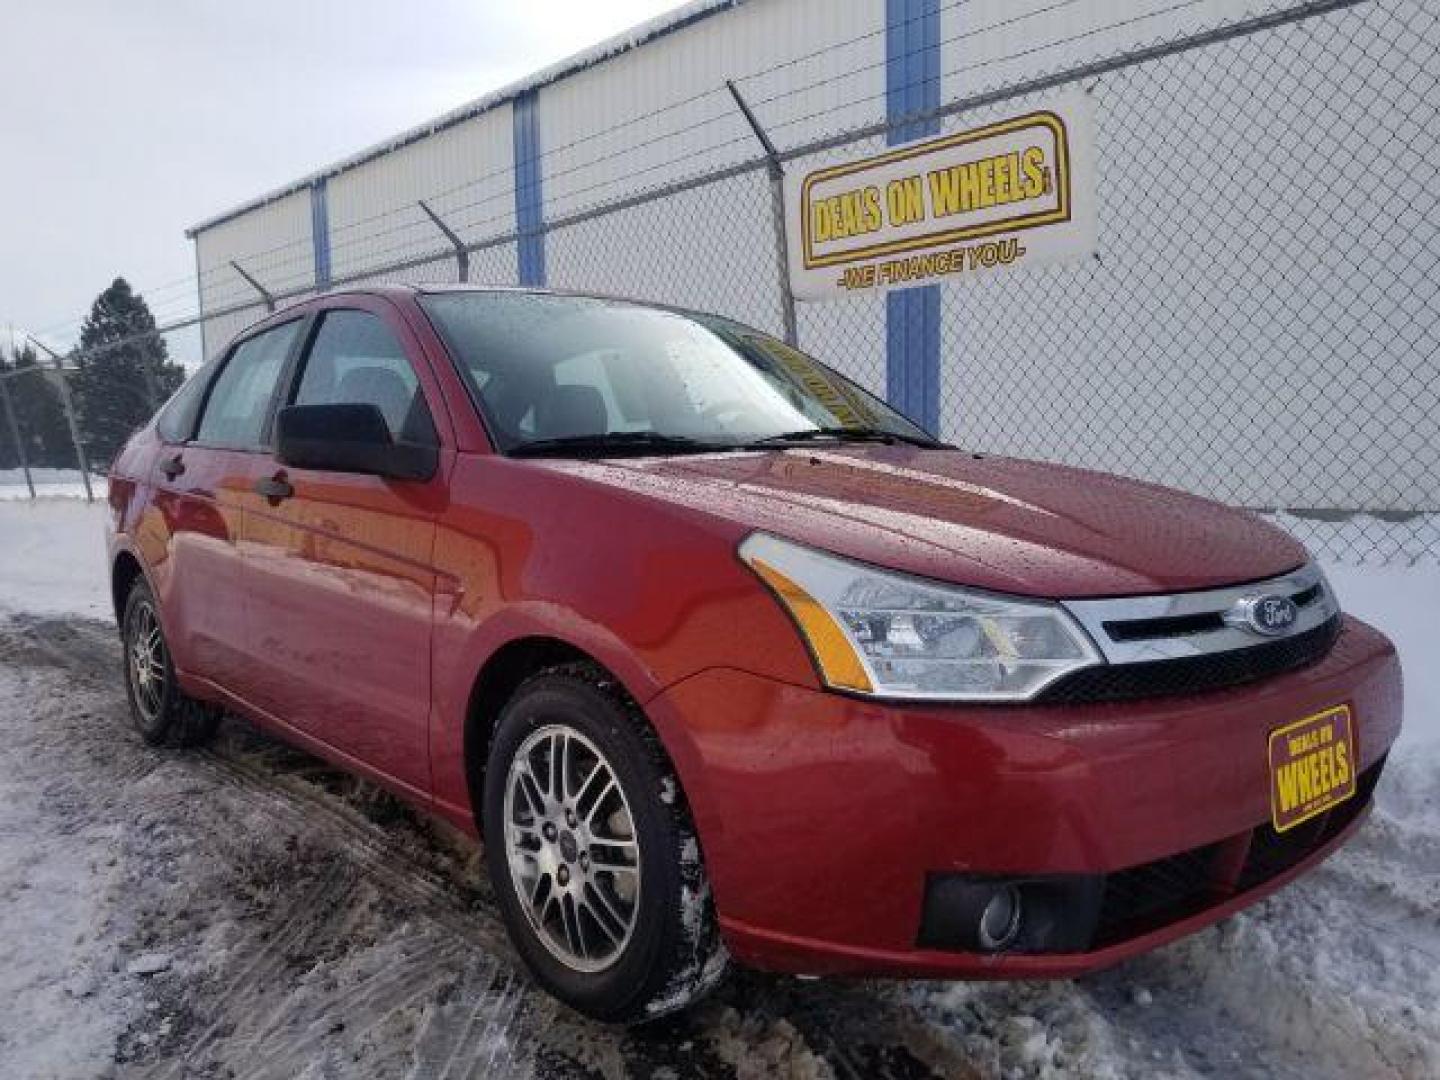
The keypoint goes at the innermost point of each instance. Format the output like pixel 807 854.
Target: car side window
pixel 355 359
pixel 176 422
pixel 240 397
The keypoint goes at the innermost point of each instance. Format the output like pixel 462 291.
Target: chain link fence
pixel 1261 324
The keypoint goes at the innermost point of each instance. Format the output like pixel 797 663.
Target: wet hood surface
pixel 998 523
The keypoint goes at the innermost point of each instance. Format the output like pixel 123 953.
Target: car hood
pixel 998 523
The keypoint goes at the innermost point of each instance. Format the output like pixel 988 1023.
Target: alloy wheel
pixel 147 663
pixel 571 847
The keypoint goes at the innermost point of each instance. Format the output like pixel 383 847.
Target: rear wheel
pixel 162 713
pixel 592 853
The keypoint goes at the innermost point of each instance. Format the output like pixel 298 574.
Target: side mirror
pixel 348 438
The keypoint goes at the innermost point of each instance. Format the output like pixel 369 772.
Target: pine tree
pixel 9 459
pixel 123 371
pixel 39 413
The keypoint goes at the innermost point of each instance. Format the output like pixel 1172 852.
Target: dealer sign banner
pixel 1013 193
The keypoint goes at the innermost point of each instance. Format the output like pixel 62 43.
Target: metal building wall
pixel 272 243
pixel 464 173
pixel 833 52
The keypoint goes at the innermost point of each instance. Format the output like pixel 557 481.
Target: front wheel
pixel 592 853
pixel 162 713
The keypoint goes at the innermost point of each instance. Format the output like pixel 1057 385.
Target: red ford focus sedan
pixel 723 657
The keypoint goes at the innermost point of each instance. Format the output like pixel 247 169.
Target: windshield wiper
pixel 613 443
pixel 845 434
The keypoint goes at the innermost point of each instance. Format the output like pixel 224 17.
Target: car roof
pixel 409 291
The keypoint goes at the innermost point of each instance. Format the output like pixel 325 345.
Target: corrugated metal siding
pixel 712 247
pixel 464 173
pixel 272 243
pixel 590 160
pixel 992 43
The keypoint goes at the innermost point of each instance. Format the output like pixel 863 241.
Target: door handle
pixel 172 467
pixel 275 488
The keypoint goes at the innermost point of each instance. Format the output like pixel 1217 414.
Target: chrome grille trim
pixel 1094 614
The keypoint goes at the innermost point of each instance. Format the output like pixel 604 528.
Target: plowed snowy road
pixel 309 926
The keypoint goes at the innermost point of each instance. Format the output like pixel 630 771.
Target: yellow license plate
pixel 1312 766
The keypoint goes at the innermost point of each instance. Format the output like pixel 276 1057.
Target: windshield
pixel 587 375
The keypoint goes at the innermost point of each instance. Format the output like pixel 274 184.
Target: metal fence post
pixel 69 405
pixel 74 424
pixel 265 294
pixel 15 434
pixel 462 253
pixel 776 172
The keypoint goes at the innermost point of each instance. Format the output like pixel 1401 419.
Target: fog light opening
pixel 999 924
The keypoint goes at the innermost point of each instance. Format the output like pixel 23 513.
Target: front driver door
pixel 340 565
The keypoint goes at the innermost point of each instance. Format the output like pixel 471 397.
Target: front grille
pixel 1194 674
pixel 1273 853
pixel 1166 626
pixel 1159 627
pixel 1155 893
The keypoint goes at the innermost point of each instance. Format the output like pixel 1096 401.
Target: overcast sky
pixel 123 123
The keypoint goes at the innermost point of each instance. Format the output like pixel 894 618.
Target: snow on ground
pixel 52 557
pixel 57 895
pixel 49 484
pixel 248 911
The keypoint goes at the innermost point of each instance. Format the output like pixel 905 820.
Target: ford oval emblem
pixel 1269 615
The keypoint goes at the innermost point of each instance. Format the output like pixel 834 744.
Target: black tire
pixel 673 954
pixel 161 712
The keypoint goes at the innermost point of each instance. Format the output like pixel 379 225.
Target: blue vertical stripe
pixel 529 198
pixel 912 316
pixel 320 233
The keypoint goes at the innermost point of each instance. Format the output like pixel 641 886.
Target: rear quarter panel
pixel 129 496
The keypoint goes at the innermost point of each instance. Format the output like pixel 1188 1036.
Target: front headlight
pixel 885 634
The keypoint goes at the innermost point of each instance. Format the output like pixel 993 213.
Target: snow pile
pixel 1023 1029
pixel 758 1048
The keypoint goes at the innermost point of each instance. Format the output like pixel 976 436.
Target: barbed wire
pixel 303 259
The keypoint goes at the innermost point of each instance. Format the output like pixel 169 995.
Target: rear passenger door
pixel 340 567
pixel 203 477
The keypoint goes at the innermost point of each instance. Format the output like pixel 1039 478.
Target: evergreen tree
pixel 8 457
pixel 123 371
pixel 39 413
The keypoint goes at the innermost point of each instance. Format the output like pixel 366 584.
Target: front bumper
pixel 824 819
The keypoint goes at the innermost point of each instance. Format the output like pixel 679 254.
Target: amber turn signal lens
pixel 839 664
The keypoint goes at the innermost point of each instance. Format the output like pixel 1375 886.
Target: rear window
pixel 239 402
pixel 176 422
